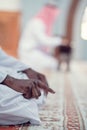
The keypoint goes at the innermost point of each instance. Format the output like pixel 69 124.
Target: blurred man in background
pixel 37 39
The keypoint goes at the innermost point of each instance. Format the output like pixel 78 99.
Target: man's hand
pixel 32 74
pixel 29 88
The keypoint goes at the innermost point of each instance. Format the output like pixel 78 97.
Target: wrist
pixel 8 81
pixel 26 70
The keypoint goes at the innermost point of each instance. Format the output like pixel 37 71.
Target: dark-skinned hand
pixel 32 74
pixel 29 88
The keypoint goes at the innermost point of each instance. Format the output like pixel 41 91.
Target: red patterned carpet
pixel 9 128
pixel 67 109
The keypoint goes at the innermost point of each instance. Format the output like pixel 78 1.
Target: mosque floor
pixel 67 108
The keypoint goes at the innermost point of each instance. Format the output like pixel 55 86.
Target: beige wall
pixel 9 25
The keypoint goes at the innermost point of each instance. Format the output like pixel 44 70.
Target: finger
pixel 38 90
pixel 43 79
pixel 45 87
pixel 28 94
pixel 34 93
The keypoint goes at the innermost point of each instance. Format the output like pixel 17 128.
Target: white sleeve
pixel 40 35
pixel 11 62
pixel 2 75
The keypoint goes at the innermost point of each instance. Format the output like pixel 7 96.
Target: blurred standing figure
pixel 37 39
pixel 63 54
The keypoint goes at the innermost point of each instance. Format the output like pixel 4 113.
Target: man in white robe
pixel 16 81
pixel 37 40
